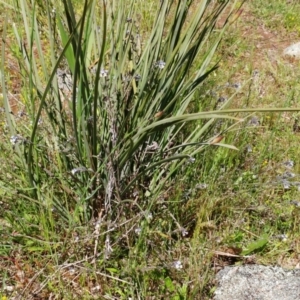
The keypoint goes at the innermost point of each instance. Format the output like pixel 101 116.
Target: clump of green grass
pixel 101 142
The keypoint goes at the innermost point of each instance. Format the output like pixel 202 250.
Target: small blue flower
pixel 287 175
pixel 289 164
pixel 160 64
pixel 236 85
pixel 137 77
pixel 17 139
pixel 254 121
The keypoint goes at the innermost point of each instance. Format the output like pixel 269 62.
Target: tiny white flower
pixel 80 170
pixel 184 232
pixel 177 265
pixel 154 146
pixel 72 271
pixel 96 288
pixel 201 186
pixel 135 193
pixel 14 139
pixel 149 216
pixel 9 288
pixel 191 160
pixel 76 170
pixel 286 184
pixel 138 230
pixel 103 73
pixel 282 237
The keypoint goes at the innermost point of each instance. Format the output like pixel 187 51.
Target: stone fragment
pixel 293 51
pixel 256 282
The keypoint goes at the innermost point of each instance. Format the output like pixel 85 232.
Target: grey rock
pixel 293 50
pixel 256 282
